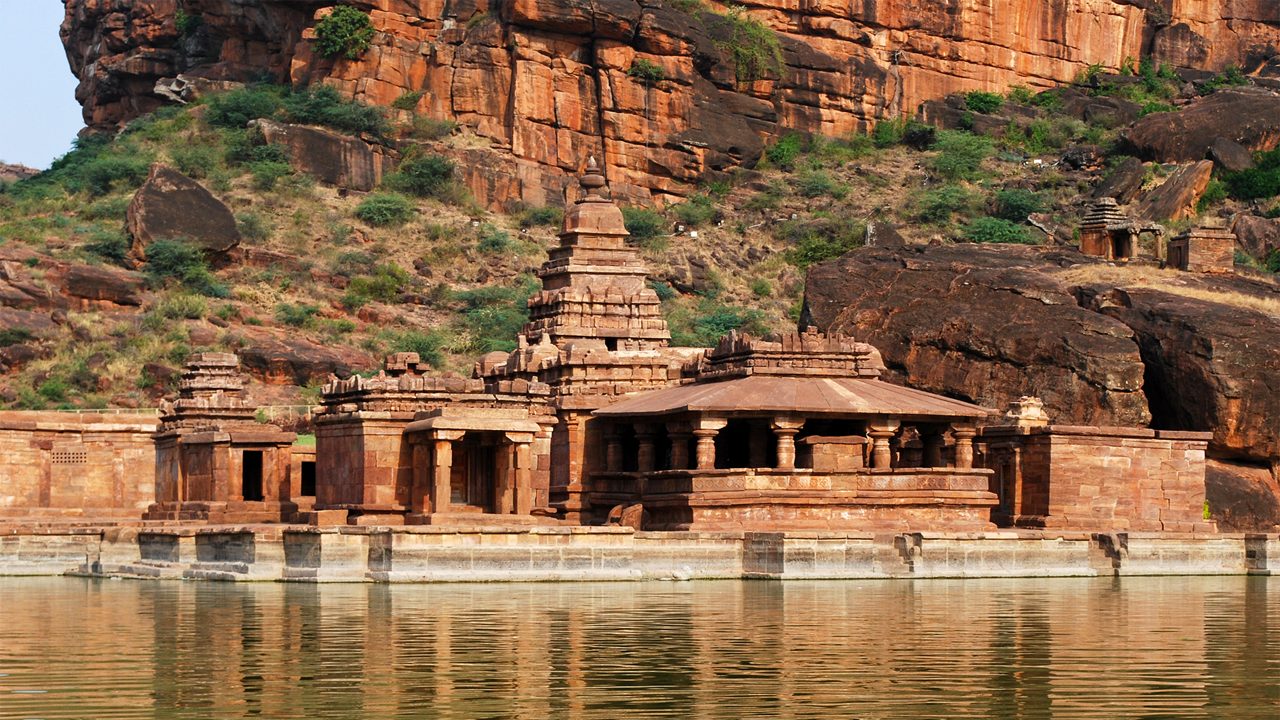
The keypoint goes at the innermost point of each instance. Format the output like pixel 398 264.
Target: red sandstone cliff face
pixel 546 81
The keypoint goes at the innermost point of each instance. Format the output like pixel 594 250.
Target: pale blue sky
pixel 39 115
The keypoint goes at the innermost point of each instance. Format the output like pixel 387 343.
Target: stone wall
pixel 73 465
pixel 431 554
pixel 1093 478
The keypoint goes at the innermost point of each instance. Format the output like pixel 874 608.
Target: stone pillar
pixel 706 429
pixel 933 441
pixel 613 451
pixel 679 434
pixel 644 447
pixel 442 468
pixel 523 480
pixel 881 433
pixel 964 435
pixel 785 430
pixel 420 496
pixel 758 448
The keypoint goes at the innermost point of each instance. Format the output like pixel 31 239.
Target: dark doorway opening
pixel 251 476
pixel 308 478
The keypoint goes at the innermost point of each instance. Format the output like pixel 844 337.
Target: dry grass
pixel 1173 282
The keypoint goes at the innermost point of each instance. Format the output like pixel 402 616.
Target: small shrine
pixel 214 461
pixel 1108 233
pixel 1204 249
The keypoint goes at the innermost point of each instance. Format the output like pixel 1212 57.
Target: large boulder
pixel 282 359
pixel 1212 360
pixel 1250 118
pixel 1257 236
pixel 983 324
pixel 1242 498
pixel 330 157
pixel 94 284
pixel 172 206
pixel 1176 197
pixel 1123 182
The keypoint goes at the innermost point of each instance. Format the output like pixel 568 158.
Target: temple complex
pixel 594 419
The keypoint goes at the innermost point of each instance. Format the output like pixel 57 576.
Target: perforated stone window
pixel 70 457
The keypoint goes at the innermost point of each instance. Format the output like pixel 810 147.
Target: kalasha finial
pixel 592 180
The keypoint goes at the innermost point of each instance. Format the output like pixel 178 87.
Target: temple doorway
pixel 251 476
pixel 475 471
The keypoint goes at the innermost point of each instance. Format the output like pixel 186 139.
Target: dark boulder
pixel 1242 498
pixel 983 324
pixel 1257 236
pixel 172 206
pixel 1248 117
pixel 1230 155
pixel 1123 182
pixel 281 359
pixel 330 157
pixel 1177 196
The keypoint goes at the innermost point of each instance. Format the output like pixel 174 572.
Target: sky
pixel 39 115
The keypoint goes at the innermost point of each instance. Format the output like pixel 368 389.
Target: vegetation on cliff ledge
pixel 345 32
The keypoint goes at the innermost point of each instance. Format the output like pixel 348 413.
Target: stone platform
pixel 504 554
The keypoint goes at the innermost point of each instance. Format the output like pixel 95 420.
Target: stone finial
pixel 1027 411
pixel 592 181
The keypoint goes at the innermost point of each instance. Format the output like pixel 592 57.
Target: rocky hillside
pixel 668 93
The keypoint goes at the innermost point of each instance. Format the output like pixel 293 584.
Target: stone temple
pixel 595 419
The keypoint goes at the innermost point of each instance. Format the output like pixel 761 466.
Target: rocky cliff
pixel 547 82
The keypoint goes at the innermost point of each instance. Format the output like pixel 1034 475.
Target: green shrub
pixel 1230 77
pixel 754 48
pixel 941 205
pixel 187 23
pixel 1272 263
pixel 644 224
pixel 983 102
pixel 783 153
pixel 662 290
pixel 345 32
pixel 267 174
pixel 423 175
pixel 114 172
pixel 385 210
pixel 425 128
pixel 301 315
pixel 960 154
pixel 428 345
pixel 888 133
pixel 384 285
pixel 1020 94
pixel 493 240
pixel 819 238
pixel 697 211
pixel 106 209
pixel 15 336
pixel 547 216
pixel 253 226
pixel 183 263
pixel 1015 204
pixel 817 183
pixel 181 306
pixel 1258 182
pixel 351 263
pixel 707 322
pixel 646 72
pixel 494 315
pixel 236 108
pixel 245 147
pixel 997 230
pixel 324 105
pixel 110 245
pixel 1214 193
pixel 196 161
pixel 408 100
pixel 761 288
pixel 54 389
pixel 1155 106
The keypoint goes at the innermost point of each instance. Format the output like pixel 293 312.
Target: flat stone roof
pixel 806 396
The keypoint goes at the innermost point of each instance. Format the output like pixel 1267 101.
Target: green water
pixel 1151 648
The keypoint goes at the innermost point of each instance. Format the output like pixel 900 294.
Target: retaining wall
pixel 437 554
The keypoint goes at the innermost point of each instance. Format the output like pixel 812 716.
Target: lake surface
pixel 1063 648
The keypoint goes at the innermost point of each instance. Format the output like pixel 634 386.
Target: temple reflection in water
pixel 1064 648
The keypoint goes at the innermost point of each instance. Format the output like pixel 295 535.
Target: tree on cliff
pixel 344 32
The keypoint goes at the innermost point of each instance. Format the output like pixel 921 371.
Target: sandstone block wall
pixel 1102 479
pixel 67 464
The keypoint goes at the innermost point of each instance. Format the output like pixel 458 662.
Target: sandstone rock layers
pixel 547 81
